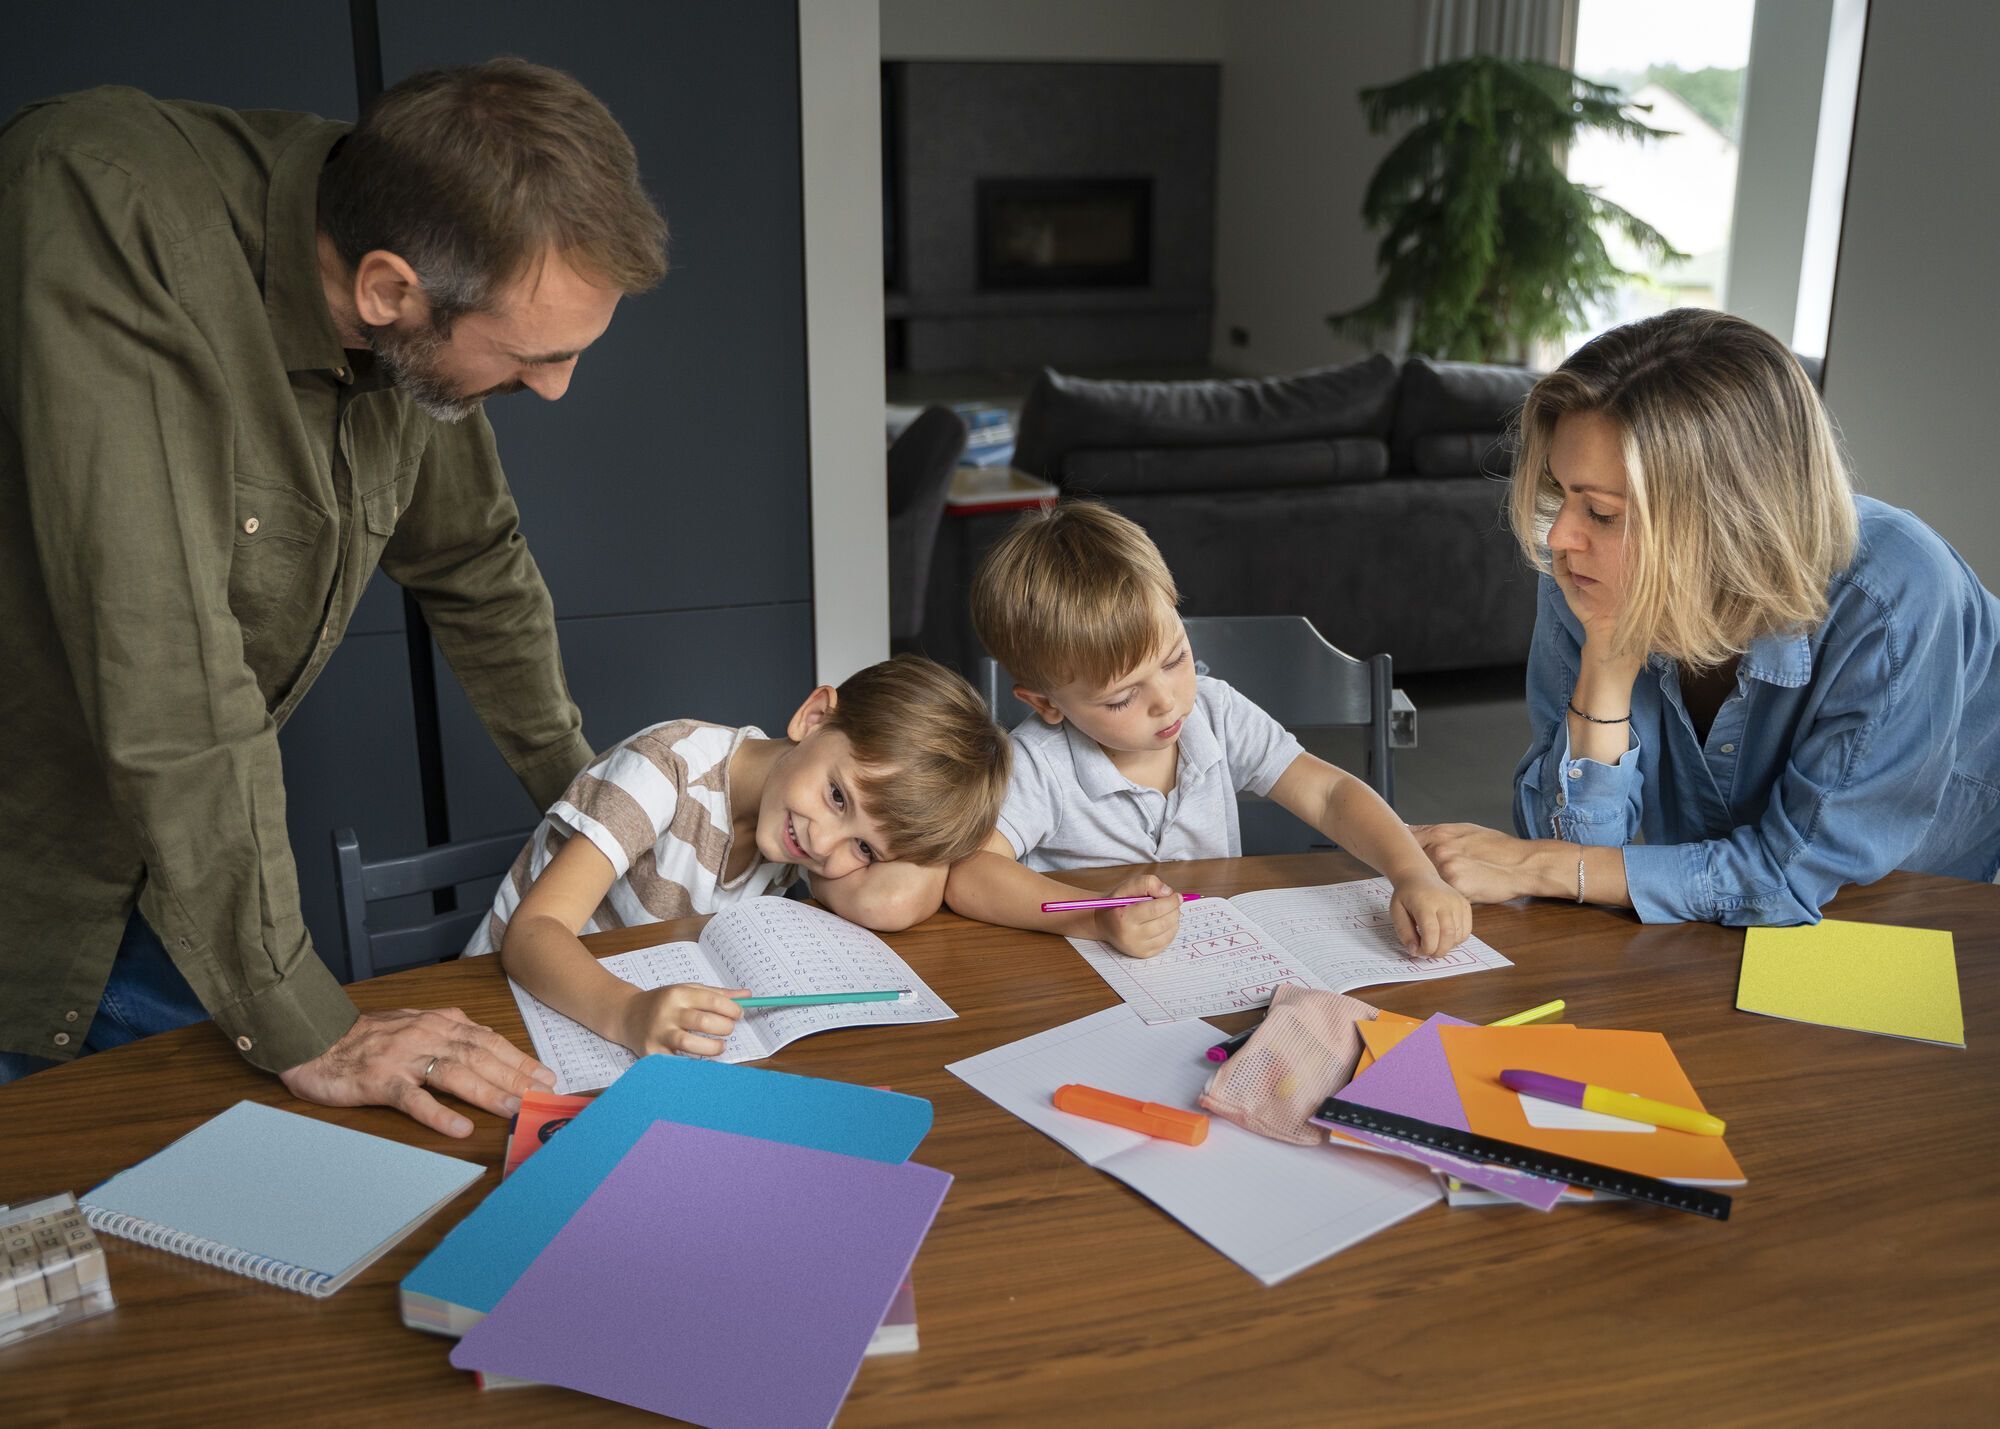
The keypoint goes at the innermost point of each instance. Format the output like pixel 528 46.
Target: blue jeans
pixel 145 994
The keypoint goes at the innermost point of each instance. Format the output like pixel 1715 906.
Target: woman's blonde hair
pixel 1739 508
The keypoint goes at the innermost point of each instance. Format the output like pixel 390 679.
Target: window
pixel 1686 60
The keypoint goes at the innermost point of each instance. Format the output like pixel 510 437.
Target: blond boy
pixel 874 790
pixel 1131 757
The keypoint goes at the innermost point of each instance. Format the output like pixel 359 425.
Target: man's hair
pixel 1072 593
pixel 470 175
pixel 1739 510
pixel 933 764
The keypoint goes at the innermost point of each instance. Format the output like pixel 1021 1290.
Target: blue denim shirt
pixel 1870 744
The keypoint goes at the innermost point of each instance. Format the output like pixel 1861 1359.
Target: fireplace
pixel 1058 214
pixel 1065 233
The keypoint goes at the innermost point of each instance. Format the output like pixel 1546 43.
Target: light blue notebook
pixel 279 1197
pixel 458 1284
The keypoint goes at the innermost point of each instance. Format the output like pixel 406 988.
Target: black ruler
pixel 1527 1159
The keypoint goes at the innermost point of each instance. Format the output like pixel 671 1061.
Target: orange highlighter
pixel 1166 1122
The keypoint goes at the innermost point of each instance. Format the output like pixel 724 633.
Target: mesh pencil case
pixel 1301 1053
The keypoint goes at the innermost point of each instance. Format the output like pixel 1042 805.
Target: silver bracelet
pixel 1579 878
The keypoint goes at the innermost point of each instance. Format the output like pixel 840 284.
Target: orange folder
pixel 1381 1032
pixel 1389 1028
pixel 1639 1062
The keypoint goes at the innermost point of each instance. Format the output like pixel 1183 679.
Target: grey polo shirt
pixel 1068 806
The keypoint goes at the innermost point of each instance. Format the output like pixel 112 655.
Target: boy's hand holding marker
pixel 1141 930
pixel 687 1017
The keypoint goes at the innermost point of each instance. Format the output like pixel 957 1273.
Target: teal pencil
pixel 815 999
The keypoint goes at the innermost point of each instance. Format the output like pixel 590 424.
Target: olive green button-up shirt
pixel 196 483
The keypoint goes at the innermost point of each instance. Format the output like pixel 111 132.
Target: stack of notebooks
pixel 722 1244
pixel 1438 1081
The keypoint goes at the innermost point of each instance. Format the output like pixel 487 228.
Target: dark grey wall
pixel 665 497
pixel 248 54
pixel 961 122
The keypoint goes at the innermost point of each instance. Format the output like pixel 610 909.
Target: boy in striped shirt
pixel 873 791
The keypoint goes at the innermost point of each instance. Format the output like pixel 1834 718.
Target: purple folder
pixel 719 1278
pixel 1414 1079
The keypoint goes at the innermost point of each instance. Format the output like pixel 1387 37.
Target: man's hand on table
pixel 394 1058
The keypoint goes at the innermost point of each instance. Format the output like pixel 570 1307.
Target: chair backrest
pixel 920 466
pixel 358 883
pixel 1282 664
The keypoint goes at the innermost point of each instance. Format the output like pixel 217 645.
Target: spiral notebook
pixel 281 1198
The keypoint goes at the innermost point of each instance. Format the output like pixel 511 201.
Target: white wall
pixel 1176 30
pixel 840 117
pixel 1295 159
pixel 1774 176
pixel 1916 307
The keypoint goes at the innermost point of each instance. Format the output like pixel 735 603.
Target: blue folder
pixel 460 1282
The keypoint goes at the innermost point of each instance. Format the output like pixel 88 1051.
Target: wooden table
pixel 1858 1279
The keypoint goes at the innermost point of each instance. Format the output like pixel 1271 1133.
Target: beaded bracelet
pixel 1622 719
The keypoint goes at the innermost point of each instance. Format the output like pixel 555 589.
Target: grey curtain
pixel 1511 29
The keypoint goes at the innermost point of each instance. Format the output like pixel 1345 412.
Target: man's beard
pixel 412 360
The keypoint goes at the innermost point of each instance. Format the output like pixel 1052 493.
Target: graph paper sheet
pixel 1231 954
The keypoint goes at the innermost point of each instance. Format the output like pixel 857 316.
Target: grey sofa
pixel 1367 497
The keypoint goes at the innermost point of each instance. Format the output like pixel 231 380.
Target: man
pixel 242 357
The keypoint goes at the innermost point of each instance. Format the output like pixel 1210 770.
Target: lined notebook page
pixel 775 947
pixel 290 1188
pixel 1345 934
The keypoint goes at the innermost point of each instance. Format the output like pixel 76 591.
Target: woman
pixel 1748 687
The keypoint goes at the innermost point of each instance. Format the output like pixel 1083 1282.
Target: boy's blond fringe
pixel 933 764
pixel 1072 594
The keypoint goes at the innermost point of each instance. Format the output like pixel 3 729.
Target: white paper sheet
pixel 775 947
pixel 1232 953
pixel 1274 1209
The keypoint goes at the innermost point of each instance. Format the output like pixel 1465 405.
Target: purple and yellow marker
pixel 1619 1104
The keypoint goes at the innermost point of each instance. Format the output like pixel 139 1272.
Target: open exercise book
pixel 1337 936
pixel 775 947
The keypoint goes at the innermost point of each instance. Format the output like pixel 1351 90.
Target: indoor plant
pixel 1490 247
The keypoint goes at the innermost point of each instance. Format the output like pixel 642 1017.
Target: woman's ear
pixel 812 714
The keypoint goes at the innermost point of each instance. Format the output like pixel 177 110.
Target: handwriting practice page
pixel 775 947
pixel 1220 961
pixel 1337 936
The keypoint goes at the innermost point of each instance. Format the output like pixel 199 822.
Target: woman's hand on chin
pixel 1488 866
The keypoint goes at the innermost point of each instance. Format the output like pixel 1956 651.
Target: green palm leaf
pixel 1486 243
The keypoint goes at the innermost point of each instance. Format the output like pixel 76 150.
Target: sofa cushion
pixel 1456 397
pixel 1487 453
pixel 1066 414
pixel 1157 470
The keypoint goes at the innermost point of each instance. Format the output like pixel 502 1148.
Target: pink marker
pixel 1075 904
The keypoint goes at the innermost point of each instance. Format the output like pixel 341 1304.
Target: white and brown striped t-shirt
pixel 657 806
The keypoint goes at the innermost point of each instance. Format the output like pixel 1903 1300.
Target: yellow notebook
pixel 1868 977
